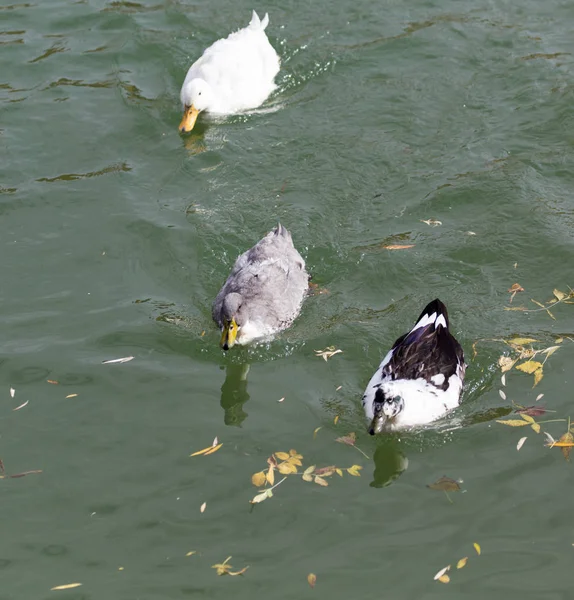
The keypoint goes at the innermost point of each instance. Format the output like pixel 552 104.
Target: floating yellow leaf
pixel 462 562
pixel 306 477
pixel 559 295
pixel 398 246
pixel 538 375
pixel 529 366
pixel 258 479
pixel 286 468
pixel 566 438
pixel 213 449
pixel 71 395
pixel 536 427
pixel 208 450
pixel 315 432
pixel 270 475
pixel 444 578
pixel 309 470
pixel 336 419
pixel 312 579
pixel 527 418
pixel 320 481
pixel 191 553
pixel 441 572
pixel 339 472
pixel 513 422
pixel 281 455
pixel 521 341
pixel 477 548
pixel 67 586
pixel 354 470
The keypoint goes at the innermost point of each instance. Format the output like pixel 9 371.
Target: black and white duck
pixel 421 377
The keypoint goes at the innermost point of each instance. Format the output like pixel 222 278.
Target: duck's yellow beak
pixel 189 118
pixel 229 335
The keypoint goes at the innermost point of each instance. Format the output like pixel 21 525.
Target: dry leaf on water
pixel 349 439
pixel 398 246
pixel 270 476
pixel 71 395
pixel 533 411
pixel 462 562
pixel 514 289
pixel 513 422
pixel 566 438
pixel 506 363
pixel 203 507
pixel 559 295
pixel 224 568
pixel 529 366
pixel 315 432
pixel 207 451
pixel 444 578
pixel 502 394
pixel 477 548
pixel 112 361
pixel 259 479
pixel 441 573
pixel 521 443
pixel 354 470
pixel 12 392
pixel 52 381
pixel 21 405
pixel 312 579
pixel 67 586
pixel 307 473
pixel 328 352
pixel 336 420
pixel 521 341
pixel 191 553
pixel 320 481
pixel 445 484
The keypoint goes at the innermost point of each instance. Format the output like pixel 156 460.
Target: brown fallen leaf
pixel 514 289
pixel 26 473
pixel 312 579
pixel 349 439
pixel 445 484
pixel 398 246
pixel 533 411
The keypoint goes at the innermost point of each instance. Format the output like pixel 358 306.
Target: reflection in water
pixel 390 463
pixel 234 394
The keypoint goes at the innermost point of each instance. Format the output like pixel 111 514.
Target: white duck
pixel 421 377
pixel 234 74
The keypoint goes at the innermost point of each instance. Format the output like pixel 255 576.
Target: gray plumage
pixel 265 289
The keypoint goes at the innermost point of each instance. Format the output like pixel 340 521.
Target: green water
pixel 117 232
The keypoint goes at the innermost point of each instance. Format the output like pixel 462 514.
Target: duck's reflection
pixel 234 394
pixel 390 463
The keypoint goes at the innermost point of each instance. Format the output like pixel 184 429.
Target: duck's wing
pixel 428 351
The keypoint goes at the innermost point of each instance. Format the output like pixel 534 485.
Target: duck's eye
pixel 199 94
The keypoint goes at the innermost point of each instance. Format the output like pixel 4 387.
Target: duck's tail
pixel 259 24
pixel 282 231
pixel 435 313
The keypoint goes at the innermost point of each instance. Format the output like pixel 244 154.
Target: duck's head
pixel 232 319
pixel 196 96
pixel 385 410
